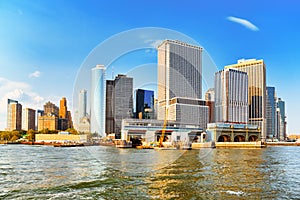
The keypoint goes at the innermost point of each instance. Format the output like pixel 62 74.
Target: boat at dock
pixel 69 145
pixel 123 144
pixel 165 148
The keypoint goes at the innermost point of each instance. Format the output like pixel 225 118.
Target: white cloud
pixel 35 74
pixel 19 91
pixel 153 43
pixel 243 22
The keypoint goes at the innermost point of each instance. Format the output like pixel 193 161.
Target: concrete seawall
pixel 239 145
pixel 283 144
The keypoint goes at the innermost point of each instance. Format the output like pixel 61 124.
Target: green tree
pixel 72 131
pixel 14 135
pixel 31 135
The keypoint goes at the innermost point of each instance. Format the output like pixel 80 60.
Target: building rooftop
pixel 179 43
pixel 245 62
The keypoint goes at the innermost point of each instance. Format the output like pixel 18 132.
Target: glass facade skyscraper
pixel 98 100
pixel 144 102
pixel 271 111
pixel 281 120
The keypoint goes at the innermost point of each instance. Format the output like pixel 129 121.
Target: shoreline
pixel 194 145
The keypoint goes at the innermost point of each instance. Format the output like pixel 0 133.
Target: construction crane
pixel 162 137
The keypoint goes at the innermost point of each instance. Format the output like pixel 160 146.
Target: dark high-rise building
pixel 119 103
pixel 14 115
pixel 281 120
pixel 144 104
pixel 271 111
pixel 109 117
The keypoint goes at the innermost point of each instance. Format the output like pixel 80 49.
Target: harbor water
pixel 104 172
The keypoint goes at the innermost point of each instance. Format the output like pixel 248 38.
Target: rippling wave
pixel 43 172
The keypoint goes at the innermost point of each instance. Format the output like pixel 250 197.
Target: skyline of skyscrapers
pixel 256 71
pixel 231 96
pixel 240 95
pixel 98 90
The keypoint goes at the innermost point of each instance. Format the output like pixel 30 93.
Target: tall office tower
pixel 28 119
pixel 271 111
pixel 83 121
pixel 63 108
pixel 63 121
pixel 110 105
pixel 210 102
pixel 144 104
pixel 256 71
pixel 82 104
pixel 179 76
pixel 98 100
pixel 179 70
pixel 69 118
pixel 14 115
pixel 231 96
pixel 123 100
pixel 51 108
pixel 119 103
pixel 281 107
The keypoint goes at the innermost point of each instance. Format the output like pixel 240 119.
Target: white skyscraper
pixel 179 70
pixel 231 96
pixel 180 83
pixel 98 100
pixel 82 104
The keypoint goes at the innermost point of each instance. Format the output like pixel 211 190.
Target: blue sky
pixel 43 43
